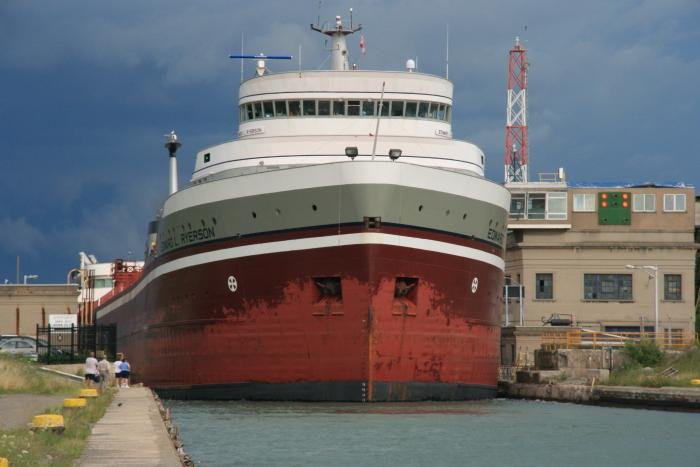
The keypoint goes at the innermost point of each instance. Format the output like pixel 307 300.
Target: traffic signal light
pixel 614 208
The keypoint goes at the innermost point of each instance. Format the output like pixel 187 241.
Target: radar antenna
pixel 260 67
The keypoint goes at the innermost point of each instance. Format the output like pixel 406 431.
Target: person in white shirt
pixel 117 370
pixel 91 370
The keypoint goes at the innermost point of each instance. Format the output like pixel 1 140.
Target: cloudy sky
pixel 88 88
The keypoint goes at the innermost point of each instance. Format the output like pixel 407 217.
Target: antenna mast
pixel 516 116
pixel 339 47
pixel 447 51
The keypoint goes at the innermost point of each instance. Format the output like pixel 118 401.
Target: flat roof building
pixel 592 255
pixel 24 306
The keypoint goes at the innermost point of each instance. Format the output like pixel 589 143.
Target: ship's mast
pixel 339 47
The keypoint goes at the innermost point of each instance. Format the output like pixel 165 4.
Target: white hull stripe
pixel 369 238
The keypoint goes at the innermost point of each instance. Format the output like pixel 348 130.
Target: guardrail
pixel 586 339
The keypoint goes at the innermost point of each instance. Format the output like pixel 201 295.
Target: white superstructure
pixel 313 117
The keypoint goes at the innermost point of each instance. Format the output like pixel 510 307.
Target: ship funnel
pixel 172 146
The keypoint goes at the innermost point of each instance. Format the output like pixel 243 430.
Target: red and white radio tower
pixel 516 116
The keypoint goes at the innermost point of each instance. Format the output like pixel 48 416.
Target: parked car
pixel 19 346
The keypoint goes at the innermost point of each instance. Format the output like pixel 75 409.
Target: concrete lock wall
pixel 560 359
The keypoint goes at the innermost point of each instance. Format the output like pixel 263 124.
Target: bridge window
pixel 324 107
pixel 423 109
pixel 339 107
pixel 281 108
pixel 294 108
pixel 309 107
pixel 268 110
pixel 397 109
pixel 441 112
pixel 353 108
pixel 385 106
pixel 411 109
pixel 433 110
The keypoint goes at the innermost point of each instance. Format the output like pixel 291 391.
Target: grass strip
pixel 633 374
pixel 20 375
pixel 24 447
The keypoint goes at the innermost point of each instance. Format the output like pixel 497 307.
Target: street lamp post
pixel 654 272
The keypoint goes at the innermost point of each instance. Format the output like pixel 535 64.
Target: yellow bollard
pixel 48 421
pixel 4 462
pixel 695 382
pixel 88 392
pixel 74 402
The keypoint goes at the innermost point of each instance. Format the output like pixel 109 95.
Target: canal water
pixel 489 433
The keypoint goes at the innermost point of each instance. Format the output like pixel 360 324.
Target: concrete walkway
pixel 130 433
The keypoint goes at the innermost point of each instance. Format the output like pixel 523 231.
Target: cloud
pixel 21 237
pixel 91 87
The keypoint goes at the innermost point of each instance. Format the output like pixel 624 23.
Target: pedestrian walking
pixel 117 370
pixel 103 367
pixel 125 372
pixel 91 370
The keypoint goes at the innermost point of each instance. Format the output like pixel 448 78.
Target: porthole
pixel 420 208
pixel 278 212
pixel 254 214
pixel 464 216
pixel 447 213
pixel 314 207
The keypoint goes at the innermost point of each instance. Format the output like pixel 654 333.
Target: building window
pixel 536 205
pixel 674 202
pixel 584 202
pixel 543 286
pixel 644 202
pixel 607 286
pixel 556 205
pixel 517 205
pixel 672 287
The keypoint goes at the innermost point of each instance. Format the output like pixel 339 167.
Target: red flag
pixel 363 48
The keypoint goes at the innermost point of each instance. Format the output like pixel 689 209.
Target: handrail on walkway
pixel 584 338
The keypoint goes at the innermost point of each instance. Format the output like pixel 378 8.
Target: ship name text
pixel 495 235
pixel 170 240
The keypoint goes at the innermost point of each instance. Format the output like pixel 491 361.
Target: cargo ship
pixel 344 247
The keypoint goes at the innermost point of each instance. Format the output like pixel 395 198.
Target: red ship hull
pixel 278 337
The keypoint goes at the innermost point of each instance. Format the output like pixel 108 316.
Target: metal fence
pixel 582 338
pixel 73 344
